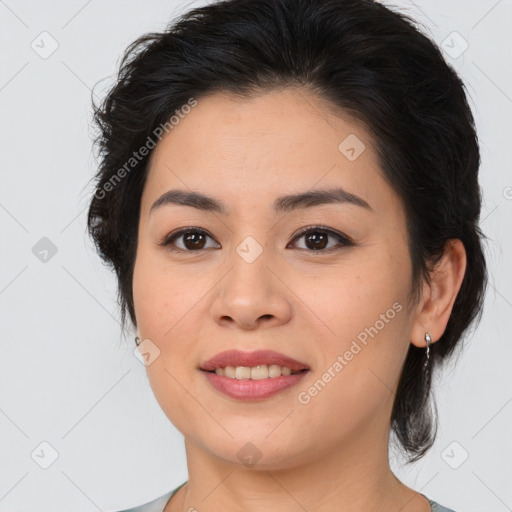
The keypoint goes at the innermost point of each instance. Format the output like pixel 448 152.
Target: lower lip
pixel 248 389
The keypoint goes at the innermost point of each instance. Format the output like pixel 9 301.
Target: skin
pixel 331 453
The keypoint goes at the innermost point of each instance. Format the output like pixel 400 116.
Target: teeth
pixel 263 371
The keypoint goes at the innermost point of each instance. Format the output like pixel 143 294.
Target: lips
pixel 257 358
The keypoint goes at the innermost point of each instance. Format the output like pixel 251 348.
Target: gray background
pixel 69 379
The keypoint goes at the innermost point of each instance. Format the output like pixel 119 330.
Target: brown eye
pixel 191 239
pixel 317 239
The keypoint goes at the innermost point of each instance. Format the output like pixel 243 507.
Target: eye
pixel 316 238
pixel 194 239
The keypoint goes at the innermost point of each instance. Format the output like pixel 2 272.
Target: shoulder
pixel 439 508
pixel 156 505
pixel 435 507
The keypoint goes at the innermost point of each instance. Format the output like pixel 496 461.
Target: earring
pixel 137 341
pixel 428 340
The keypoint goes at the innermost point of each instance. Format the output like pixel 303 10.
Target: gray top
pixel 159 504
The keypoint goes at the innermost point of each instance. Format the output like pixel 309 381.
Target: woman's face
pixel 251 282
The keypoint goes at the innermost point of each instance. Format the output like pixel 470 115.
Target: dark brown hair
pixel 367 60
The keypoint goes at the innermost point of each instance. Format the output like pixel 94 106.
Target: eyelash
pixel 344 241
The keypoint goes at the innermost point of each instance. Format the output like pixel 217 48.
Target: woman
pixel 288 193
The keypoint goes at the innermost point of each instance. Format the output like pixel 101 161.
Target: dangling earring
pixel 137 341
pixel 428 340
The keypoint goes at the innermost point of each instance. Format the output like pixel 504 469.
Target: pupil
pixel 194 240
pixel 314 241
pixel 319 241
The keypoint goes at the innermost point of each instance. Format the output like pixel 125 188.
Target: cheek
pixel 354 295
pixel 149 297
pixel 162 294
pixel 363 314
pixel 361 354
pixel 164 302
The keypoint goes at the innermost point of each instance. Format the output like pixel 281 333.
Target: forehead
pixel 252 149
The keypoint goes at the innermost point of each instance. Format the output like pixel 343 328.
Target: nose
pixel 252 295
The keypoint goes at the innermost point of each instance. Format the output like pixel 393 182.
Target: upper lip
pixel 256 358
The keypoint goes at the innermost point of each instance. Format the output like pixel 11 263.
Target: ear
pixel 436 303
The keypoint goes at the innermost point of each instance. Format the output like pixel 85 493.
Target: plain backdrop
pixel 79 426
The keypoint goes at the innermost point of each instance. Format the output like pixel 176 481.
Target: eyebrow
pixel 281 204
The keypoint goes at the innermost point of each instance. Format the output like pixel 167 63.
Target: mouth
pixel 259 372
pixel 249 389
pixel 257 365
pixel 253 376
